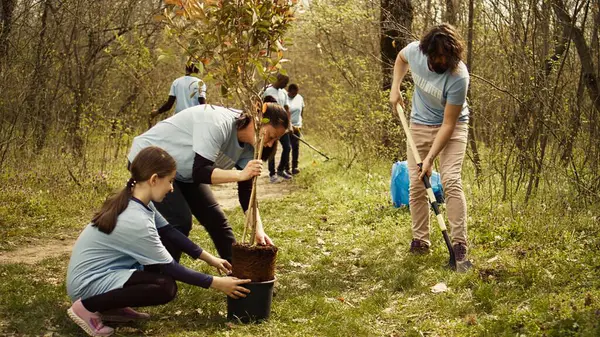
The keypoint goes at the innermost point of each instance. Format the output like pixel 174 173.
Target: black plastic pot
pixel 255 307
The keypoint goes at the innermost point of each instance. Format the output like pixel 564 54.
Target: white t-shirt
pixel 207 130
pixel 296 108
pixel 279 94
pixel 185 90
pixel 102 262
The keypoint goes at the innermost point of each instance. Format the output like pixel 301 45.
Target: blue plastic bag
pixel 400 185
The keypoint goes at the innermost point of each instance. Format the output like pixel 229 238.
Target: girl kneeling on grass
pixel 119 262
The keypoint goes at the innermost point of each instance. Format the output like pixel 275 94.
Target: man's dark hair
pixel 282 81
pixel 191 68
pixel 293 87
pixel 443 40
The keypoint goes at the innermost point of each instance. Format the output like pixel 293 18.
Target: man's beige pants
pixel 451 159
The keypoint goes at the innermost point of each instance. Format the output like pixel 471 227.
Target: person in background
pixel 186 91
pixel 118 262
pixel 439 126
pixel 277 91
pixel 296 103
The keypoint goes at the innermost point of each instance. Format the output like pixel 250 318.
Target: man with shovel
pixel 439 127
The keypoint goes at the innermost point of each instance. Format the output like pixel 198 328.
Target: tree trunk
pixel 451 11
pixel 396 19
pixel 590 78
pixel 7 8
pixel 574 123
pixel 427 15
pixel 39 99
pixel 472 139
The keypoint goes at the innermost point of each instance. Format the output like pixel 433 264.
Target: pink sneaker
pixel 90 322
pixel 124 315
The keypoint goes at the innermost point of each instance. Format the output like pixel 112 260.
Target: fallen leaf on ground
pixel 356 251
pixel 439 288
pixel 495 258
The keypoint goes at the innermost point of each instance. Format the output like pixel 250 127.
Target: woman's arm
pixel 204 172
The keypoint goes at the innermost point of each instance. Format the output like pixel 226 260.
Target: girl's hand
pixel 231 286
pixel 252 169
pixel 223 266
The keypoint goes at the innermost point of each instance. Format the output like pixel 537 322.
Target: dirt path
pixel 226 195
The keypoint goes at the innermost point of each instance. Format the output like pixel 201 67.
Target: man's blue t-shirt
pixel 433 90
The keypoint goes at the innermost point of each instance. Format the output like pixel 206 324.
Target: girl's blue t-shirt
pixel 102 262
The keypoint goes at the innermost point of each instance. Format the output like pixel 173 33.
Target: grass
pixel 343 267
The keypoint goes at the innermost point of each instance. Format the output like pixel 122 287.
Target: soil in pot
pixel 253 262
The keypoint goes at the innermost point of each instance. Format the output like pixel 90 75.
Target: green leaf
pixel 224 90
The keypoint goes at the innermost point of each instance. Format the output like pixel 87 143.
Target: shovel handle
pixel 426 182
pixel 411 143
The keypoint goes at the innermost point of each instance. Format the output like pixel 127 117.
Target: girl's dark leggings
pixel 143 289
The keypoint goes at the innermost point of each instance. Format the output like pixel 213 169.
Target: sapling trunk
pixel 252 213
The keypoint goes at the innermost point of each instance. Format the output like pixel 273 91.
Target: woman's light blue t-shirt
pixel 102 262
pixel 207 130
pixel 433 90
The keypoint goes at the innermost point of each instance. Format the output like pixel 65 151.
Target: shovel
pixel 462 266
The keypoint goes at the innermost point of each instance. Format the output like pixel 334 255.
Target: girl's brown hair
pixel 151 160
pixel 443 40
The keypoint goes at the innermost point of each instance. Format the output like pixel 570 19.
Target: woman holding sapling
pixel 439 126
pixel 118 261
pixel 206 142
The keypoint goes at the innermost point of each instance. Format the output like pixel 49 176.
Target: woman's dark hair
pixel 443 40
pixel 269 99
pixel 151 160
pixel 275 113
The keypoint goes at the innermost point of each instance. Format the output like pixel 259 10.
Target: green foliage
pixel 237 43
pixel 338 69
pixel 343 267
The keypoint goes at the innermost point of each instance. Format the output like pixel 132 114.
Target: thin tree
pixel 396 19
